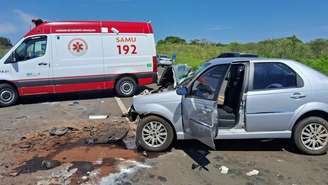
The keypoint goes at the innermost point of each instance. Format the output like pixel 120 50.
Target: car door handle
pixel 42 64
pixel 298 95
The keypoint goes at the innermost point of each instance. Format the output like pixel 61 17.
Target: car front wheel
pixel 311 135
pixel 154 134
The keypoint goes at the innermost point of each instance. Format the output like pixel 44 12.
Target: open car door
pixel 200 117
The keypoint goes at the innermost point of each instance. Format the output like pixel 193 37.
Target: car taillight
pixel 155 63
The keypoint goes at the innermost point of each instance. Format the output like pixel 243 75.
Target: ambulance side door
pixel 77 62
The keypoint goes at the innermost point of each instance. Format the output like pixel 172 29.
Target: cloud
pixel 26 18
pixel 6 28
pixel 219 28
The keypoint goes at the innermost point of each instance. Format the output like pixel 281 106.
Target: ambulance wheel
pixel 126 87
pixel 8 95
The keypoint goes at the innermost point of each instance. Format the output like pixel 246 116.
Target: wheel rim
pixel 7 95
pixel 314 136
pixel 154 134
pixel 126 87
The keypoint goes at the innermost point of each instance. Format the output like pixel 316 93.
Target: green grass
pixel 320 64
pixel 192 55
pixel 195 54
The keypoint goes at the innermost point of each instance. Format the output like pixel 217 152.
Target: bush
pixel 5 43
pixel 172 40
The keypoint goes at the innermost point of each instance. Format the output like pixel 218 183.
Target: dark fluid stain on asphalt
pixel 82 166
pixel 88 157
pixel 37 164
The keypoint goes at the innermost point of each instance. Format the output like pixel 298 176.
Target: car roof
pixel 310 72
pixel 236 54
pixel 228 60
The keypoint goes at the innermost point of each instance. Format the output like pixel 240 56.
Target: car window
pixel 207 84
pixel 31 48
pixel 274 75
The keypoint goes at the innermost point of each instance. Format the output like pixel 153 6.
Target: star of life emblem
pixel 78 47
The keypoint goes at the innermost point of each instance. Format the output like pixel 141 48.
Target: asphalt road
pixel 189 162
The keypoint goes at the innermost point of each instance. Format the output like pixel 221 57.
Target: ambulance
pixel 74 56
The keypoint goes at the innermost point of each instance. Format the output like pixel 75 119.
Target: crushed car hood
pixel 173 75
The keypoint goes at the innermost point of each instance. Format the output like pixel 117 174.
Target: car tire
pixel 307 134
pixel 126 87
pixel 8 95
pixel 156 139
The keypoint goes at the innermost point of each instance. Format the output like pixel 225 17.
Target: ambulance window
pixel 31 48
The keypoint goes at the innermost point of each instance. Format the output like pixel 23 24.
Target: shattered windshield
pixel 181 71
pixel 183 81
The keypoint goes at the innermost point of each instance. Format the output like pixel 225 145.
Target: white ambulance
pixel 63 57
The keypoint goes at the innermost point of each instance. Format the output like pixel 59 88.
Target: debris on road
pixel 49 164
pixel 25 145
pixel 144 153
pixel 105 138
pixel 103 156
pixel 97 117
pixel 60 131
pixel 14 174
pixel 145 92
pixel 252 173
pixel 74 103
pixel 62 175
pixel 224 170
pixel 84 178
pixel 21 117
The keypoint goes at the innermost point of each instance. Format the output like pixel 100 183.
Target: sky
pixel 221 21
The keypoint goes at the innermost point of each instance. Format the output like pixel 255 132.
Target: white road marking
pixel 121 105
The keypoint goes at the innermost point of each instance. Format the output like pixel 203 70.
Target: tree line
pixel 5 42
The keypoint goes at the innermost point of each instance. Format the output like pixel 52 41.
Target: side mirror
pixel 182 91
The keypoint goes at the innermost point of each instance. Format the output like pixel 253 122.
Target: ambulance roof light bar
pixel 37 22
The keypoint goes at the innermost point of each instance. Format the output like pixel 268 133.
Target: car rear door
pixel 200 119
pixel 276 91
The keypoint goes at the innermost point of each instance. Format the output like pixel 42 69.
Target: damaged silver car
pixel 238 98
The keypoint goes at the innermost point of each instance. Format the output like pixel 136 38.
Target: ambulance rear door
pixel 128 53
